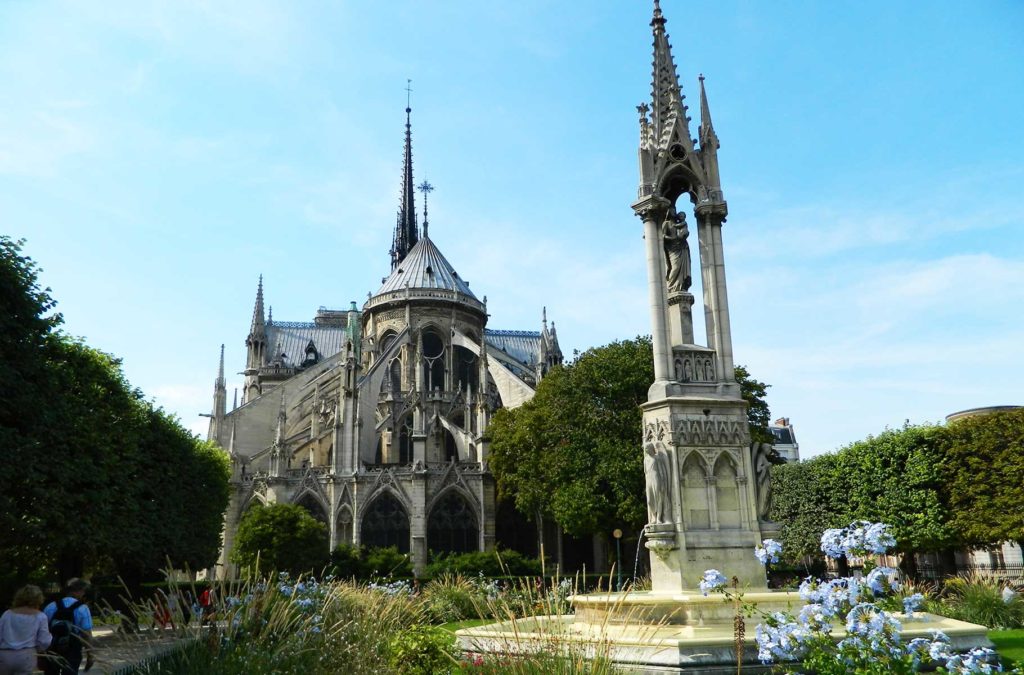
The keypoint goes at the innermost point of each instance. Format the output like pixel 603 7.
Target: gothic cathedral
pixel 372 418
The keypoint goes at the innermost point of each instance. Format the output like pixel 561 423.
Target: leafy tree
pixel 983 477
pixel 893 477
pixel 97 474
pixel 281 537
pixel 758 414
pixel 805 503
pixel 573 453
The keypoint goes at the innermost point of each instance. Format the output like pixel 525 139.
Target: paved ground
pixel 117 652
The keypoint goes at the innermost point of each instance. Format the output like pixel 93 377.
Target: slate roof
pixel 522 345
pixel 425 267
pixel 295 335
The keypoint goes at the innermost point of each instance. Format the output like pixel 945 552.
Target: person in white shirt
pixel 24 631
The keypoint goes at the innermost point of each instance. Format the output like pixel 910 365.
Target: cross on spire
pixel 426 188
pixel 406 229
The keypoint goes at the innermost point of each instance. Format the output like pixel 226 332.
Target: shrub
pixel 977 598
pixel 487 563
pixel 423 650
pixel 281 537
pixel 453 598
pixel 364 564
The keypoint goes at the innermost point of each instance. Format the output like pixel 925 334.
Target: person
pixel 206 606
pixel 162 611
pixel 23 631
pixel 69 614
pixel 677 252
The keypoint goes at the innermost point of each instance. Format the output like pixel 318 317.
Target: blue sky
pixel 159 156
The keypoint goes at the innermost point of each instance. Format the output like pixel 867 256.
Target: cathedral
pixel 372 418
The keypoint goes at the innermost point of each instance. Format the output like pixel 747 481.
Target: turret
pixel 220 402
pixel 256 347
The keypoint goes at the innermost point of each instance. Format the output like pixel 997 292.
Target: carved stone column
pixel 652 210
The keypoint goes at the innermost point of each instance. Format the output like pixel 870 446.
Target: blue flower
pixel 911 603
pixel 768 551
pixel 711 580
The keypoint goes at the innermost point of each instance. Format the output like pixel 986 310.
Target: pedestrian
pixel 71 628
pixel 24 631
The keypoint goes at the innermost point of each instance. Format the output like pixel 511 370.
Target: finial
pixel 544 316
pixel 235 403
pixel 658 18
pixel 426 188
pixel 270 315
pixel 220 370
pixel 408 96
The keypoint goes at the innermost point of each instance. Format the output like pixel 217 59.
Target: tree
pixel 95 472
pixel 573 453
pixel 758 414
pixel 982 472
pixel 280 537
pixel 893 478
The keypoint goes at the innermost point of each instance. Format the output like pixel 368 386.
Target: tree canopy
pixel 982 470
pixel 573 452
pixel 281 538
pixel 96 474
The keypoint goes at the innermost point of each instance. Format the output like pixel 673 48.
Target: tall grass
pixel 978 598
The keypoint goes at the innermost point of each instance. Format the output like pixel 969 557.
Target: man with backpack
pixel 71 628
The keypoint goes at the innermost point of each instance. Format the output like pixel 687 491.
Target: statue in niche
pixel 674 234
pixel 763 456
pixel 657 473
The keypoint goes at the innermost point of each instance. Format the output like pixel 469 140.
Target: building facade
pixel 372 417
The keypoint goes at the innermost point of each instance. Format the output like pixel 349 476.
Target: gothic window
pixel 451 450
pixel 395 377
pixel 311 504
pixel 344 526
pixel 385 524
pixel 378 457
pixel 466 370
pixel 452 525
pixel 433 361
pixel 695 493
pixel 387 340
pixel 405 444
pixel 727 493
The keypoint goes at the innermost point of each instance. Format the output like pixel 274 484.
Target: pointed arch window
pixel 385 524
pixel 695 493
pixel 433 361
pixel 727 493
pixel 452 525
pixel 405 443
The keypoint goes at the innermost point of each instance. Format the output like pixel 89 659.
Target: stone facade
pixel 372 418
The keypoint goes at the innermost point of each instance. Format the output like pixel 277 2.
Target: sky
pixel 159 156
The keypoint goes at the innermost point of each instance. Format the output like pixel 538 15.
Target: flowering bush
pixel 872 643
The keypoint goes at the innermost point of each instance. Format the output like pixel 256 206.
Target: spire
pixel 669 123
pixel 426 188
pixel 406 229
pixel 709 147
pixel 220 400
pixel 259 324
pixel 220 369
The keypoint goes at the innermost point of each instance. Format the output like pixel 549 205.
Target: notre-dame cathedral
pixel 372 418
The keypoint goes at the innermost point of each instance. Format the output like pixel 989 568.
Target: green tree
pixel 281 537
pixel 96 474
pixel 805 502
pixel 982 473
pixel 573 453
pixel 758 414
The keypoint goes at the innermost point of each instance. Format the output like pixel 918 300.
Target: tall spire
pixel 406 229
pixel 220 369
pixel 709 146
pixel 259 324
pixel 669 123
pixel 220 400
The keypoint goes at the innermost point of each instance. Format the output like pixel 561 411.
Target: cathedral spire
pixel 406 229
pixel 259 324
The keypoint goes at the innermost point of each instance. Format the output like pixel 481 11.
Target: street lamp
pixel 617 533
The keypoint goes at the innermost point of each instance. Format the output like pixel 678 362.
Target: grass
pixel 1009 644
pixel 453 626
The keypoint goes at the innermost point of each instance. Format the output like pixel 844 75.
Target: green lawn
pixel 469 623
pixel 1010 644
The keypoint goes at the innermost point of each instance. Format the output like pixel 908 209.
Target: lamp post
pixel 617 533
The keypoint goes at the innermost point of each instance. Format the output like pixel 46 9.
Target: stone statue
pixel 674 234
pixel 763 456
pixel 659 496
